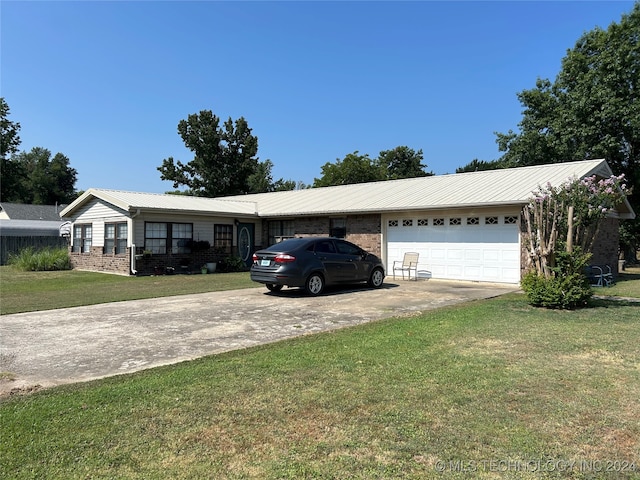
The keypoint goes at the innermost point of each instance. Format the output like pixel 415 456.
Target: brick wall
pixel 98 262
pixel 312 227
pixel 176 262
pixel 606 245
pixel 180 263
pixel 363 230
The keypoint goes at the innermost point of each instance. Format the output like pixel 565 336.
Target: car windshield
pixel 287 245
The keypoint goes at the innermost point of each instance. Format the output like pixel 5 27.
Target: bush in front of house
pixel 230 264
pixel 561 223
pixel 32 260
pixel 567 289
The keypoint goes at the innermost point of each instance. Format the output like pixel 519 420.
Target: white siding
pixel 99 210
pixel 97 213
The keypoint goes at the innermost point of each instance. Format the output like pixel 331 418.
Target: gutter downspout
pixel 133 246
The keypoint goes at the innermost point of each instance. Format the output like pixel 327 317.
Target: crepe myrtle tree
pixel 568 216
pixel 562 223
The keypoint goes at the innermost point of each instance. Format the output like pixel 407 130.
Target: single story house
pixel 464 226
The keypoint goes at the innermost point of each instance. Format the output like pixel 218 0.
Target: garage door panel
pixel 491 255
pixel 509 255
pixel 455 254
pixel 491 273
pixel 455 271
pixel 473 255
pixel 473 272
pixel 465 252
pixel 438 253
pixel 510 275
pixel 498 235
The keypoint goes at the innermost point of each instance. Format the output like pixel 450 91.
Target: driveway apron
pixel 83 343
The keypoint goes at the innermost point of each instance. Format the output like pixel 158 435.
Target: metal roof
pixel 512 186
pixel 31 228
pixel 132 201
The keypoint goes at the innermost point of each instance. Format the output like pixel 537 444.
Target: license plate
pixel 265 263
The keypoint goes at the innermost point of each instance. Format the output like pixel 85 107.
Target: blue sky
pixel 106 83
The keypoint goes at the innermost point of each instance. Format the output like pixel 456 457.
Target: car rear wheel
pixel 376 278
pixel 273 287
pixel 314 284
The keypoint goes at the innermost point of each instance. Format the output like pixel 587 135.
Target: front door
pixel 246 240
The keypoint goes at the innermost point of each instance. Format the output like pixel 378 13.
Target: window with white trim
pixel 473 221
pixel 423 222
pixel 455 221
pixel 491 220
pixel 392 223
pixel 438 222
pixel 511 220
pixel 408 222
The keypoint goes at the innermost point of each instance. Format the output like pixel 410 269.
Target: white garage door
pixel 459 248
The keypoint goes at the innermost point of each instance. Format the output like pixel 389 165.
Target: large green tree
pixel 591 110
pixel 224 162
pixel 262 180
pixel 9 138
pixel 43 180
pixel 353 168
pixel 10 172
pixel 477 165
pixel 401 162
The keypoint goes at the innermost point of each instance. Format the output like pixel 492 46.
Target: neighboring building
pixel 465 226
pixel 24 225
pixel 17 219
pixel 21 211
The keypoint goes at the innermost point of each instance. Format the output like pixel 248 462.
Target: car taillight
pixel 284 258
pixel 255 258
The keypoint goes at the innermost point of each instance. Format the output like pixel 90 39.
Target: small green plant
pixel 232 264
pixel 30 259
pixel 567 289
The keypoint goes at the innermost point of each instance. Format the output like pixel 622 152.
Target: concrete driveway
pixel 43 349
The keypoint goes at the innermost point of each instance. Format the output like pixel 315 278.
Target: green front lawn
pixel 627 284
pixel 31 291
pixel 488 389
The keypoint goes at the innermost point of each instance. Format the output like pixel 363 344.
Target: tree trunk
pixel 570 229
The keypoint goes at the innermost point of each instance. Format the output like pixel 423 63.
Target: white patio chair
pixel 408 263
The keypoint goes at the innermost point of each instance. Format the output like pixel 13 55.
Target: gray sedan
pixel 313 263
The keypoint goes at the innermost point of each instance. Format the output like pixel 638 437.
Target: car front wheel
pixel 315 284
pixel 273 288
pixel 376 278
